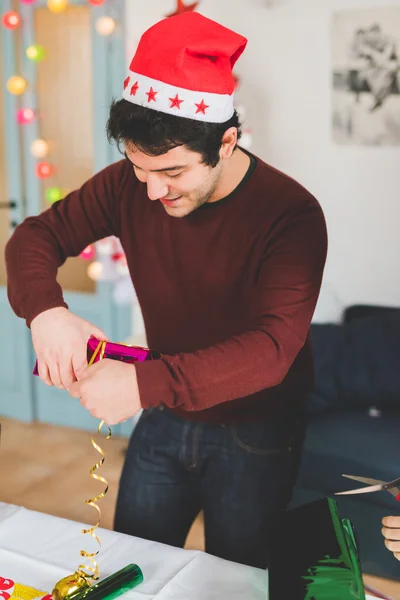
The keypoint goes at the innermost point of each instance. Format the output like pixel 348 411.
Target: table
pixel 38 550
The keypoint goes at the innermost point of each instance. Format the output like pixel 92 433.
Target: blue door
pixel 69 92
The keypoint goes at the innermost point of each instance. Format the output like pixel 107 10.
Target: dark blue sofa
pixel 354 424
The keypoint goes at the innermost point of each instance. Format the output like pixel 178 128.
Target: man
pixel 391 533
pixel 226 255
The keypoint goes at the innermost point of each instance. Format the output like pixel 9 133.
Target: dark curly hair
pixel 156 133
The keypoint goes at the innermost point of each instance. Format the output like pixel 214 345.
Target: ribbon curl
pixel 92 571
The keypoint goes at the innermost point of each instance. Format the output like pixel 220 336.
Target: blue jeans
pixel 241 476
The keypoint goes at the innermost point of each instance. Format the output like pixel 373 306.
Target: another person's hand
pixel 60 342
pixel 109 391
pixel 391 533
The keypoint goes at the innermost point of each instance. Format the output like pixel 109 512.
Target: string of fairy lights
pixel 40 148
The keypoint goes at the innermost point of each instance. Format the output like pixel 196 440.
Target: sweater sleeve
pixel 282 304
pixel 41 244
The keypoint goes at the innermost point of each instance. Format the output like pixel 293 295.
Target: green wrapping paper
pixel 315 556
pixel 109 588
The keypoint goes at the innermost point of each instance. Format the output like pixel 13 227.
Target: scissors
pixel 374 485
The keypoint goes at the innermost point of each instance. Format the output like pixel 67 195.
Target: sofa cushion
pixel 327 341
pixel 369 372
pixel 357 364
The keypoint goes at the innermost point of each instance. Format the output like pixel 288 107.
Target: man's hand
pixel 391 533
pixel 60 340
pixel 109 390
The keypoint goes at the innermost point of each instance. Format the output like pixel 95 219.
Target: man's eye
pixel 175 176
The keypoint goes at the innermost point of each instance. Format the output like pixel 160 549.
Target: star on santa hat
pixel 182 8
pixel 152 95
pixel 201 107
pixel 176 102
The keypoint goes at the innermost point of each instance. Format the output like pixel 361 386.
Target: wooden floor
pixel 46 468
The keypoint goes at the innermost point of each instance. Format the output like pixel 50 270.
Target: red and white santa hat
pixel 183 66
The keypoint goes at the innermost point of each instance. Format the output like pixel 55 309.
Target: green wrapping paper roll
pixel 315 556
pixel 111 587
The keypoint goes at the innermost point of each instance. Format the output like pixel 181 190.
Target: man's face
pixel 178 179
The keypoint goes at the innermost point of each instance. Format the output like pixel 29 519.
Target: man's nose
pixel 156 188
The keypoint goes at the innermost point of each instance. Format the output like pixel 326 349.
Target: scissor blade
pixel 364 490
pixel 366 480
pixel 379 486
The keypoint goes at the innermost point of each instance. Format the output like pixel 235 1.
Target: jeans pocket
pixel 147 413
pixel 263 439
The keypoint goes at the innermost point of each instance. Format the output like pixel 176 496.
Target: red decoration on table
pixel 6 584
pixel 182 8
pixel 11 20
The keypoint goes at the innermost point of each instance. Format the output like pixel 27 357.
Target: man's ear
pixel 229 141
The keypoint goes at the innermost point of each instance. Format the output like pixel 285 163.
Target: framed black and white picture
pixel 366 77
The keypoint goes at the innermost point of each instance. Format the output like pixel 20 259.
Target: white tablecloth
pixel 38 550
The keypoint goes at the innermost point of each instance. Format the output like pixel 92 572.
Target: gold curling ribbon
pixel 92 571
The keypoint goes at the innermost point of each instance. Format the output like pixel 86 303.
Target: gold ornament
pixel 69 586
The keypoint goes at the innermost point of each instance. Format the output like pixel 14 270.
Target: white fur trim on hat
pixel 157 95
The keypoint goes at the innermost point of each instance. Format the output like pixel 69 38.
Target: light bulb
pixel 95 270
pixel 105 25
pixel 54 194
pixel 25 116
pixel 35 52
pixel 57 6
pixel 39 148
pixel 44 170
pixel 11 20
pixel 88 253
pixel 16 85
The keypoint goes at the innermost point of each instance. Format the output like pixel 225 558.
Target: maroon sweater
pixel 227 293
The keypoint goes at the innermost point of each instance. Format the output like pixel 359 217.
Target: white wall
pixel 285 74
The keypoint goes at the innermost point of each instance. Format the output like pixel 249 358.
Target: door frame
pixel 109 66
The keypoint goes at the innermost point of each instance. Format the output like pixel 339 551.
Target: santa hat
pixel 183 67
